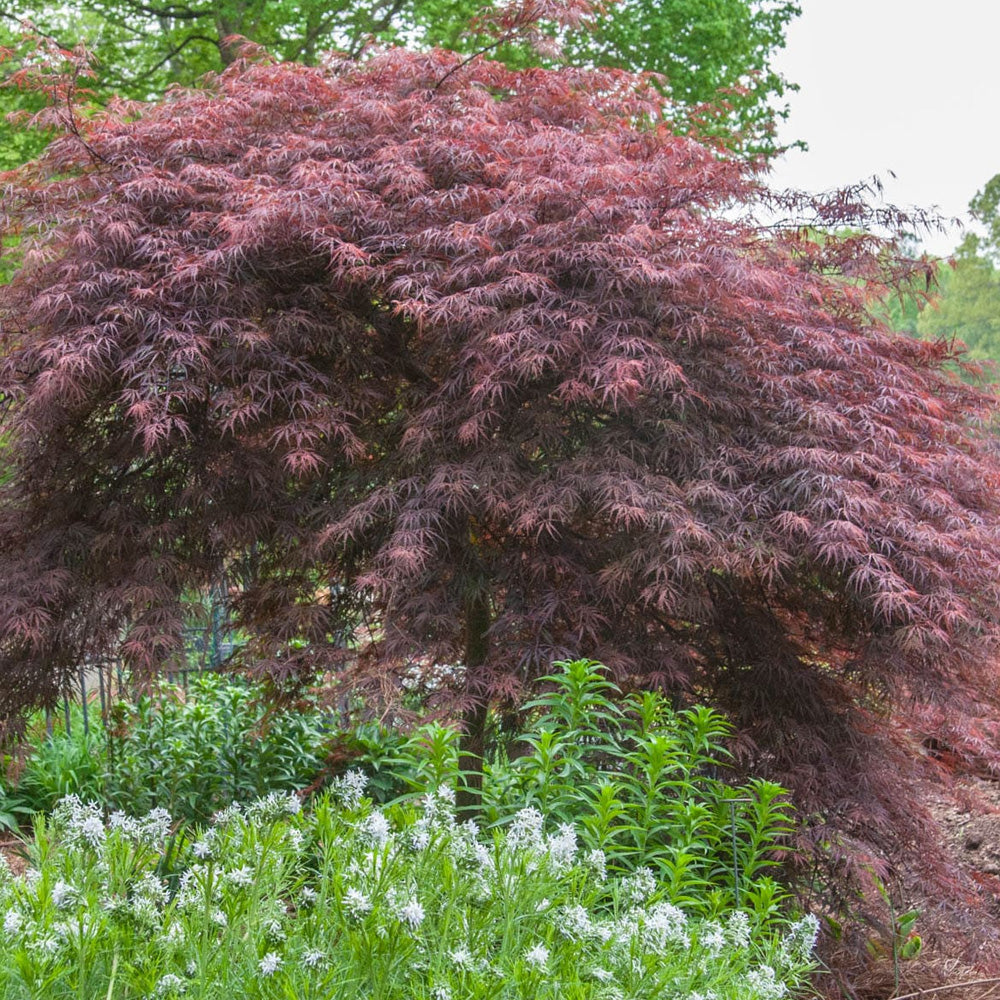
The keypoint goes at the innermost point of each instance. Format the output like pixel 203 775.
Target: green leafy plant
pixel 638 779
pixel 272 902
pixel 190 751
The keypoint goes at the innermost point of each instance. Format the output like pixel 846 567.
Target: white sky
pixel 908 86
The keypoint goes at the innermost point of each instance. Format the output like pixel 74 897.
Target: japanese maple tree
pixel 495 364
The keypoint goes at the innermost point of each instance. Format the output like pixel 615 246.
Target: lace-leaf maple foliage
pixel 496 364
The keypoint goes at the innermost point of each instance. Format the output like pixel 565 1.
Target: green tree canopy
pixel 708 52
pixel 968 306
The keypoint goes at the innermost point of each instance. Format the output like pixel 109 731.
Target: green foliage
pixel 702 49
pixel 191 752
pixel 715 54
pixel 348 902
pixel 967 307
pixel 636 778
pixel 65 764
pixel 985 208
pixel 13 810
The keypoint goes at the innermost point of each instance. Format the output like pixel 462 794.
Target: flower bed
pixel 348 901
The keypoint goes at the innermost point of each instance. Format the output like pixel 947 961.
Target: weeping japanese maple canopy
pixel 487 361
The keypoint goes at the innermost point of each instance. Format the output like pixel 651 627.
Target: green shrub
pixel 191 752
pixel 637 778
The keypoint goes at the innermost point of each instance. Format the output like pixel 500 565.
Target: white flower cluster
pixel 151 830
pixel 196 887
pixel 639 886
pixel 525 831
pixel 64 895
pixel 79 823
pixel 438 818
pixel 738 929
pixel 13 921
pixel 661 925
pixel 537 957
pixel 411 913
pixel 239 877
pixel 575 923
pixel 375 829
pixel 270 963
pixel 463 959
pixel 149 897
pixel 356 904
pixel 349 788
pixel 762 984
pixel 227 816
pixel 562 848
pixel 801 937
pixel 272 807
pixel 169 985
pixel 204 847
pixel 313 958
pixel 712 937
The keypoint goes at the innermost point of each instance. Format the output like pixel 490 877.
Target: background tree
pixel 967 305
pixel 985 209
pixel 483 359
pixel 709 53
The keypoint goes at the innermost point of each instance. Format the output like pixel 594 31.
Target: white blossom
pixel 525 829
pixel 764 984
pixel 663 924
pixel 12 922
pixel 168 984
pixel 712 937
pixel 202 848
pixel 63 895
pixel 239 876
pixel 738 929
pixel 375 828
pixel 356 904
pixel 350 788
pixel 155 826
pixel 640 885
pixel 225 816
pixel 801 938
pixel 269 964
pixel 47 945
pixel 597 863
pixel 273 930
pixel 562 847
pixel 538 957
pixel 574 923
pixel 462 959
pixel 411 913
pixel 313 958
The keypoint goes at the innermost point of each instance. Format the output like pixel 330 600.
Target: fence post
pixel 83 701
pixel 100 689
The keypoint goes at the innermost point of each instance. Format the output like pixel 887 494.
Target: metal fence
pixel 99 685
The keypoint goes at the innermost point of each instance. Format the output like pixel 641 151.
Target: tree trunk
pixel 472 746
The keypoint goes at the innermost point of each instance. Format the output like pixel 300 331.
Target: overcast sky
pixel 907 86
